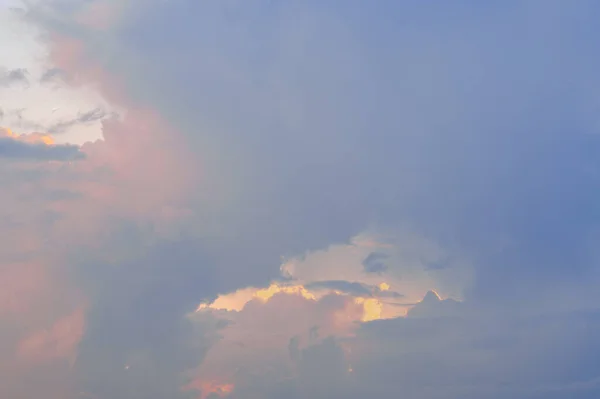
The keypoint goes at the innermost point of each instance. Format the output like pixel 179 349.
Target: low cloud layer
pixel 35 147
pixel 15 149
pixel 301 200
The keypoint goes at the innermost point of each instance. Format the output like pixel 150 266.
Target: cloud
pixel 11 148
pixel 355 288
pixel 10 77
pixel 60 341
pixel 336 148
pixel 466 356
pixel 343 286
pixel 51 75
pixel 433 306
pixel 272 340
pixel 374 263
pixel 462 354
pixel 37 147
pixel 91 116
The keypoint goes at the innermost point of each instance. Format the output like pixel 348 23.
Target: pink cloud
pixel 140 172
pixel 144 159
pixel 57 342
pixel 259 337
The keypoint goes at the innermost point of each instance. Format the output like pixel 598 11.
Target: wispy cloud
pixel 82 118
pixel 51 75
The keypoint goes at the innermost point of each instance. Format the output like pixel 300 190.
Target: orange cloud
pixel 265 320
pixel 372 307
pixel 208 388
pixel 267 293
pixel 30 138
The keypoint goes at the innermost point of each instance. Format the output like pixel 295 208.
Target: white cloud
pixel 38 105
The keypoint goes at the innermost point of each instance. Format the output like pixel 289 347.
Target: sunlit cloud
pixel 35 146
pixel 210 389
pixel 60 341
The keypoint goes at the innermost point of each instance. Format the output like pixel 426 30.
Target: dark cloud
pixel 375 263
pixel 347 287
pixel 352 288
pixel 315 122
pixel 84 118
pixel 470 355
pixel 373 137
pixel 477 355
pixel 138 337
pixel 10 77
pixel 433 306
pixel 441 265
pixel 52 75
pixel 15 149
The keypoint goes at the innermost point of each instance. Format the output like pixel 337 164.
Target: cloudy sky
pixel 299 199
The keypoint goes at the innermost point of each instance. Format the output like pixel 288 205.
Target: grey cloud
pixel 84 118
pixel 9 77
pixel 436 265
pixel 18 112
pixel 322 372
pixel 52 75
pixel 388 294
pixel 352 288
pixel 348 287
pixel 470 355
pixel 433 306
pixel 142 323
pixel 477 355
pixel 15 149
pixel 375 263
pixel 294 348
pixel 322 121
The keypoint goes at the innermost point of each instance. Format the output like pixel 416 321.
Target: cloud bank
pixel 35 146
pixel 303 200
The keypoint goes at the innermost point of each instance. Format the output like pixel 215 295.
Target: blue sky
pixel 237 167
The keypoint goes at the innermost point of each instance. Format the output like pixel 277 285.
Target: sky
pixel 299 199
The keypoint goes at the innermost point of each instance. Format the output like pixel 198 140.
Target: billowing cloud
pixel 368 200
pixel 266 339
